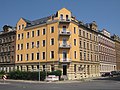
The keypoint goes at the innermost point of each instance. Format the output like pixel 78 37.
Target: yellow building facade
pixel 54 41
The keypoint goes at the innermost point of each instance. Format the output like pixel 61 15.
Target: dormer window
pixel 67 19
pixel 22 26
pixel 19 27
pixel 61 16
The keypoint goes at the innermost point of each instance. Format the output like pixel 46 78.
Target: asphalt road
pixel 87 85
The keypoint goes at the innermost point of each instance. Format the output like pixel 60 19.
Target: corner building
pixel 54 41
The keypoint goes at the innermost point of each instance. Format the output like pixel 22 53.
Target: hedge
pixel 23 75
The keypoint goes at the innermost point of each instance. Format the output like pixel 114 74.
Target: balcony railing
pixel 64 33
pixel 64 46
pixel 65 60
pixel 64 20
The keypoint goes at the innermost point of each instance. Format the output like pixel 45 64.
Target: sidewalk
pixel 64 81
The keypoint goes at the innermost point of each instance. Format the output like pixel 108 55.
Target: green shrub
pixel 2 72
pixel 24 75
pixel 57 73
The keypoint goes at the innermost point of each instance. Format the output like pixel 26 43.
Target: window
pixel 61 16
pixel 18 48
pixel 38 32
pixel 32 33
pixel 84 55
pixel 52 41
pixel 21 57
pixel 84 45
pixel 32 67
pixel 81 55
pixel 17 57
pixel 43 67
pixel 75 55
pixel 21 46
pixel 52 67
pixel 88 55
pixel 22 35
pixel 38 56
pixel 43 55
pixel 75 42
pixel 27 46
pixel 74 30
pixel 83 33
pixel 75 68
pixel 44 31
pixel 91 57
pixel 27 57
pixel 64 55
pixel 32 45
pixel 32 56
pixel 67 18
pixel 19 27
pixel 94 48
pixel 91 46
pixel 87 35
pixel 94 38
pixel 64 28
pixel 18 36
pixel 80 32
pixel 28 35
pixel 90 37
pixel 22 26
pixel 80 44
pixel 38 44
pixel 43 43
pixel 37 67
pixel 52 29
pixel 64 41
pixel 52 54
pixel 87 45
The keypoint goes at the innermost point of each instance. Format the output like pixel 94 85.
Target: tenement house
pixel 88 46
pixel 117 50
pixel 7 48
pixel 58 42
pixel 107 55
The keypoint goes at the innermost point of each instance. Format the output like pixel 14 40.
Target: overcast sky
pixel 105 12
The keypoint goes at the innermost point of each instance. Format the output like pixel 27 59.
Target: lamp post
pixel 38 63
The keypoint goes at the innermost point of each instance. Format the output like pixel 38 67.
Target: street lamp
pixel 38 63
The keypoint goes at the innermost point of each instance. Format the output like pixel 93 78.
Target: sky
pixel 106 13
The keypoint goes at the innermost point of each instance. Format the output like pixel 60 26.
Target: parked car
pixel 52 78
pixel 106 74
pixel 115 73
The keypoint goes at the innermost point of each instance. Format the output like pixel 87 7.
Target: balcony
pixel 64 20
pixel 64 46
pixel 65 33
pixel 65 60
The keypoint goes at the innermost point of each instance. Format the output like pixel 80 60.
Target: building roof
pixel 37 21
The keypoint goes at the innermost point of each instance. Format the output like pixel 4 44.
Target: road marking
pixel 3 83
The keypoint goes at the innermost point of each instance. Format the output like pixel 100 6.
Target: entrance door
pixel 64 69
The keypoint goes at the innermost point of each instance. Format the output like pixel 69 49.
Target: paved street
pixel 78 85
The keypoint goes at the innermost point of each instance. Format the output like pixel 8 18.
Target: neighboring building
pixel 54 41
pixel 117 50
pixel 7 48
pixel 89 55
pixel 107 55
